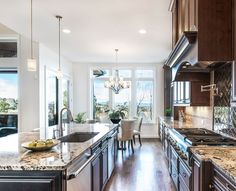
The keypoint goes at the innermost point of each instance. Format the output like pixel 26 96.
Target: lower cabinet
pixel 31 180
pixel 104 163
pixel 96 173
pixel 202 174
pixel 220 181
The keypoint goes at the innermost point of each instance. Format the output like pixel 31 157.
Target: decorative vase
pixel 115 121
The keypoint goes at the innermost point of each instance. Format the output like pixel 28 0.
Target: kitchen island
pixel 21 169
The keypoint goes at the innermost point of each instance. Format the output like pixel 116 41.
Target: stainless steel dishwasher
pixel 79 173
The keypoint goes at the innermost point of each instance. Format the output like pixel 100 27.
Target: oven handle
pixel 74 174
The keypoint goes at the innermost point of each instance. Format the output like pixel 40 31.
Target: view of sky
pixel 8 85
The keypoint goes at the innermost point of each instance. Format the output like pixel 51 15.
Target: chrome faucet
pixel 70 117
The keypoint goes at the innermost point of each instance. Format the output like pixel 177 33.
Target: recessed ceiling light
pixel 67 31
pixel 142 31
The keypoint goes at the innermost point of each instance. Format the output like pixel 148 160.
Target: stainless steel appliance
pixel 79 173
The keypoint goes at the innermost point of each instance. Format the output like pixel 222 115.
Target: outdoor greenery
pixel 7 105
pixel 80 117
pixel 168 112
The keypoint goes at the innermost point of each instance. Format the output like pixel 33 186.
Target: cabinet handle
pixel 184 175
pixel 211 186
pixel 227 186
pixel 74 174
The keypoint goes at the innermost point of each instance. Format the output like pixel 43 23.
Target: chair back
pixel 138 123
pixel 127 128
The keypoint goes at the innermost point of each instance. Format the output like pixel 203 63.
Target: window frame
pixel 134 80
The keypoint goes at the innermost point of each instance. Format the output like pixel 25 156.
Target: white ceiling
pixel 97 27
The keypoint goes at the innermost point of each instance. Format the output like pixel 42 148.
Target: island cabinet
pixel 220 181
pixel 32 180
pixel 104 162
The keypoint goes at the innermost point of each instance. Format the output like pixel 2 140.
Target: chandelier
pixel 116 83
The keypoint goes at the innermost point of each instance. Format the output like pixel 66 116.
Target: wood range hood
pixel 209 44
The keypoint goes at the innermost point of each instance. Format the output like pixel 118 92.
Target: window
pixel 138 100
pixel 8 102
pixel 100 99
pixel 52 99
pixel 8 48
pixel 66 93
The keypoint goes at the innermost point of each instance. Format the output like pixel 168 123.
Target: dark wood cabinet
pixel 202 174
pixel 34 180
pixel 96 173
pixel 212 19
pixel 104 158
pixel 221 181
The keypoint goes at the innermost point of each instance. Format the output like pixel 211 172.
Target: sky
pixel 8 85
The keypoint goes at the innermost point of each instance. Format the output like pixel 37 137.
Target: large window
pixel 8 102
pixel 52 99
pixel 138 99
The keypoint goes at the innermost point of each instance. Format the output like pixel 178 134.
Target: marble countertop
pixel 171 123
pixel 222 157
pixel 14 157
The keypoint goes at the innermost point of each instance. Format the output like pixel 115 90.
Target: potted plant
pixel 119 113
pixel 80 117
pixel 168 112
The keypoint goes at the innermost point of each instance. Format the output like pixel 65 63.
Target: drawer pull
pixel 228 188
pixel 184 175
pixel 211 186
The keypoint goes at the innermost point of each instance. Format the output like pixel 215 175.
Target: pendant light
pixel 59 72
pixel 116 83
pixel 31 63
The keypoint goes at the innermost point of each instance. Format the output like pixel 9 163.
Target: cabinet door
pixel 96 174
pixel 196 175
pixel 14 184
pixel 104 166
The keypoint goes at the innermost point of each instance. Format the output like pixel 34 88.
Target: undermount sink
pixel 78 137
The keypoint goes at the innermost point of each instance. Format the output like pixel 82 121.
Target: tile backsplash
pixel 224 115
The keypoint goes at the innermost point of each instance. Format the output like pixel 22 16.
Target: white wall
pixel 28 107
pixel 49 62
pixel 81 84
pixel 31 85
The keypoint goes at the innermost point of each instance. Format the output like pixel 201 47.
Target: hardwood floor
pixel 145 170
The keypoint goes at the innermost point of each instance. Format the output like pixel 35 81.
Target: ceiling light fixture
pixel 116 83
pixel 59 72
pixel 66 31
pixel 142 31
pixel 31 62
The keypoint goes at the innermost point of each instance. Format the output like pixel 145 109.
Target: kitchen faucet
pixel 60 129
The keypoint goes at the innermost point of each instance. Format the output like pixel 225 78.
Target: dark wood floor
pixel 145 170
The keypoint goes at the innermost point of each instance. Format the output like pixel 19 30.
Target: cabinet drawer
pixel 174 158
pixel 222 181
pixel 182 186
pixel 174 176
pixel 185 173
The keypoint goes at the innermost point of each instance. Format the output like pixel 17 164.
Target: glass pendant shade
pixel 59 74
pixel 32 65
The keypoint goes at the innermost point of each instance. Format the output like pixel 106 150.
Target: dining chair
pixel 126 134
pixel 137 129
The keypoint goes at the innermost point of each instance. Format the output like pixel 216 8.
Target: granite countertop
pixel 221 157
pixel 15 157
pixel 171 123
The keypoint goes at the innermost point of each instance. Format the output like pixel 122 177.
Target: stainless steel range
pixel 183 139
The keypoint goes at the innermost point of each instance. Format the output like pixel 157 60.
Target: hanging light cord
pixel 116 70
pixel 31 28
pixel 59 18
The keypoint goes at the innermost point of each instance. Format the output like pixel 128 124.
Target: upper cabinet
pixel 212 19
